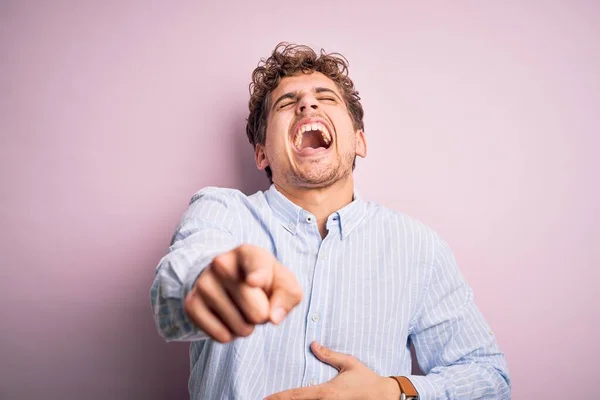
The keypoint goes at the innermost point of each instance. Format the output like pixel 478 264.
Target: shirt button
pixel 315 317
pixel 322 254
pixel 312 382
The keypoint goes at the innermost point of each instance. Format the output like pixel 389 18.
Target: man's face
pixel 311 141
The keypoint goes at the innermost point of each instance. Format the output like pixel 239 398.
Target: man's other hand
pixel 240 289
pixel 355 381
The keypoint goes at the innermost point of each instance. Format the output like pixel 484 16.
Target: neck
pixel 323 201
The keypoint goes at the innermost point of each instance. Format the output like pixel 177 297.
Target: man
pixel 307 291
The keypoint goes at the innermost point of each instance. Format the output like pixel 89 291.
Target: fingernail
pixel 318 346
pixel 277 315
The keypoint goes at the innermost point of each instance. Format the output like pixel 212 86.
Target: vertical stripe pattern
pixel 376 283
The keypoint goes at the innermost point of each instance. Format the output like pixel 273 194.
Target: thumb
pixel 286 293
pixel 340 361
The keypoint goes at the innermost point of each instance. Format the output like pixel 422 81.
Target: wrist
pixel 391 389
pixel 407 389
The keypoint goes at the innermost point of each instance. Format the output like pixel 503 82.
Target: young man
pixel 307 291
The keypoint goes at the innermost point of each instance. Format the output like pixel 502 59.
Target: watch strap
pixel 407 389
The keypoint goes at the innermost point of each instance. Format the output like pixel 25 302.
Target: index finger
pixel 245 260
pixel 257 266
pixel 226 266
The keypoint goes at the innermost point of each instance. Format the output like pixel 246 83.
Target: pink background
pixel 482 121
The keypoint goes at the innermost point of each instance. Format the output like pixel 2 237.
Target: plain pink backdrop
pixel 482 121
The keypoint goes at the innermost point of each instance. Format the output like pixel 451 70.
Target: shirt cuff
pixel 426 386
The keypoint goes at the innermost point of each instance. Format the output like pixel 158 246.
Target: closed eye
pixel 327 99
pixel 286 104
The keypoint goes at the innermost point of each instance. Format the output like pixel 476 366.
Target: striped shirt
pixel 376 283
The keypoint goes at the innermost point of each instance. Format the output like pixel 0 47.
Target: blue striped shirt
pixel 376 283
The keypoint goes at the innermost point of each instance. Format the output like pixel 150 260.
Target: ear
pixel 260 157
pixel 361 144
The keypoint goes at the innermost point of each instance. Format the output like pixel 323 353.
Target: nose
pixel 307 103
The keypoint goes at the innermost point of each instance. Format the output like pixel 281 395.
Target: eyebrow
pixel 327 90
pixel 293 95
pixel 289 95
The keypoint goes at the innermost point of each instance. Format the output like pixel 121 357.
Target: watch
pixel 407 389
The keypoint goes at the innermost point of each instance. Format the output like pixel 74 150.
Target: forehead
pixel 302 81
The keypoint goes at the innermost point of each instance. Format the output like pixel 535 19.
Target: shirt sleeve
pixel 454 345
pixel 204 232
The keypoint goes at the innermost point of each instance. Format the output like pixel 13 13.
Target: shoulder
pixel 404 222
pixel 218 194
pixel 212 200
pixel 413 239
pixel 404 225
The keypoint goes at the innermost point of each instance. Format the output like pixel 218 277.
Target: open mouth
pixel 313 136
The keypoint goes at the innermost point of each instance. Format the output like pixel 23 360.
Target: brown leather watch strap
pixel 406 386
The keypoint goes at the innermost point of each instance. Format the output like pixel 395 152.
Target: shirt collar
pixel 290 214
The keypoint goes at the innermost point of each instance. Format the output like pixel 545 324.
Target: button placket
pixel 314 316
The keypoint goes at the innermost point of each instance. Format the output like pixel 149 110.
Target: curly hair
pixel 288 60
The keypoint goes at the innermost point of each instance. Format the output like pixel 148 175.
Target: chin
pixel 314 179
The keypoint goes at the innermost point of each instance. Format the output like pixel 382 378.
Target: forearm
pixel 173 280
pixel 454 345
pixel 466 381
pixel 196 243
pixel 461 359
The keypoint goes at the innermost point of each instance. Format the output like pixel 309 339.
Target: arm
pixel 203 233
pixel 455 347
pixel 210 285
